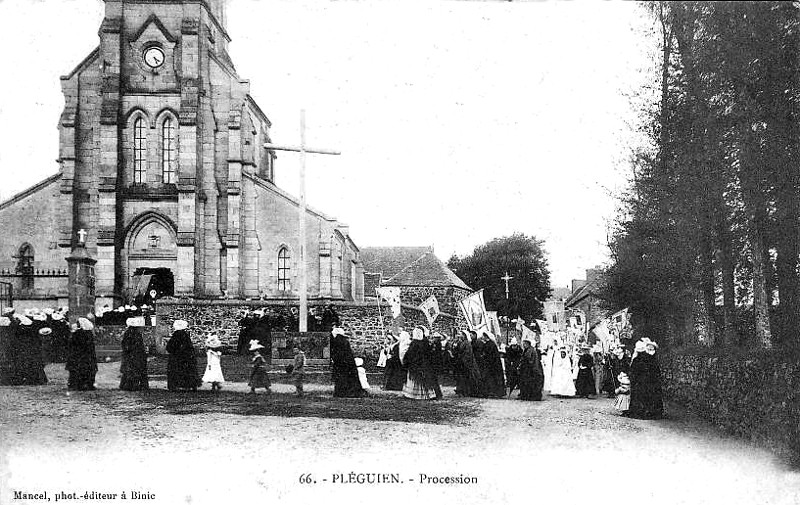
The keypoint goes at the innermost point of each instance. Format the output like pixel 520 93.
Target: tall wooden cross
pixel 302 149
pixel 506 278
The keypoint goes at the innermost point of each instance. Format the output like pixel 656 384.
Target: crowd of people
pixel 259 324
pixel 414 363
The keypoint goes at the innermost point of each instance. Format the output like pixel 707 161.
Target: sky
pixel 458 121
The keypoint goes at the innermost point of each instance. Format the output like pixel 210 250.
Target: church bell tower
pixel 152 149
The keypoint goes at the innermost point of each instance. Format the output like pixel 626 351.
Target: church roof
pixel 27 192
pixel 409 266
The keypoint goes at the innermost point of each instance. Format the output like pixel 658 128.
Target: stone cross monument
pixel 81 279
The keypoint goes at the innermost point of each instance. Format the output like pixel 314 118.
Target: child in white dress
pixel 362 374
pixel 213 372
pixel 623 402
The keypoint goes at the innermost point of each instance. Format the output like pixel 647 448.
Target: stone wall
pixel 756 397
pixel 360 320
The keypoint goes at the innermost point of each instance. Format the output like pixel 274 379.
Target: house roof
pixel 390 260
pixel 409 266
pixel 371 283
pixel 582 292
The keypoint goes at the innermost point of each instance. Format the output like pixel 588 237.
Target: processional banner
pixel 474 310
pixel 391 295
pixel 431 309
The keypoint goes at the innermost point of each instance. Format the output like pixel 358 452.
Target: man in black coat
pixel 513 357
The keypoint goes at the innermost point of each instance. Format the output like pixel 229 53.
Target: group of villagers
pixel 27 336
pixel 634 379
pixel 416 362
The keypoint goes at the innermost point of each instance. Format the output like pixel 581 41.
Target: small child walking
pixel 213 372
pixel 258 376
pixel 299 370
pixel 623 402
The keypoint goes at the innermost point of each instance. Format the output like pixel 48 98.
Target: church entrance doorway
pixel 149 279
pixel 151 254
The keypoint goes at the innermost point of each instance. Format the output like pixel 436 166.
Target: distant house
pixel 418 272
pixel 585 297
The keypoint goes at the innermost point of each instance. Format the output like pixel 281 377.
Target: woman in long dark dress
pixel 645 375
pixel 182 363
pixel 465 367
pixel 531 373
pixel 81 357
pixel 584 385
pixel 343 367
pixel 8 365
pixel 394 374
pixel 420 369
pixel 134 357
pixel 28 354
pixel 492 373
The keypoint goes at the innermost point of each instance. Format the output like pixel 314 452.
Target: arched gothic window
pixel 169 158
pixel 25 265
pixel 139 151
pixel 283 269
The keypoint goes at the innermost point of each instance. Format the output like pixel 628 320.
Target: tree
pixel 713 213
pixel 523 258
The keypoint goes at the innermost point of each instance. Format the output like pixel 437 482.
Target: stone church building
pixel 161 162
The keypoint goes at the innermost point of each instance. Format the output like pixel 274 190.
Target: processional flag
pixel 431 309
pixel 391 295
pixel 493 322
pixel 474 310
pixel 528 334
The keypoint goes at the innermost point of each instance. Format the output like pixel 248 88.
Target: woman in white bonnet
pixel 645 375
pixel 134 357
pixel 182 363
pixel 28 349
pixel 82 357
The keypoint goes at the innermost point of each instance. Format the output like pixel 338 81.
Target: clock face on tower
pixel 153 57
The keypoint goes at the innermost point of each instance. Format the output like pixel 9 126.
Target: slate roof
pixel 582 292
pixel 409 266
pixel 390 260
pixel 371 282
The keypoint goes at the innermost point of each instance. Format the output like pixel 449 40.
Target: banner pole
pixel 380 316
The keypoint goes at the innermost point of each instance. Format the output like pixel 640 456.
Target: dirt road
pixel 175 448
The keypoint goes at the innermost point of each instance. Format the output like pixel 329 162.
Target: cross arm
pixel 298 149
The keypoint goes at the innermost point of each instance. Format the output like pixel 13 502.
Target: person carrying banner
pixel 468 377
pixel 492 371
pixel 513 357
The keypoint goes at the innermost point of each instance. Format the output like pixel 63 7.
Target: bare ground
pixel 233 446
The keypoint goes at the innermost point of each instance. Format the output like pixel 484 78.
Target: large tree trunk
pixel 728 268
pixel 707 288
pixel 750 176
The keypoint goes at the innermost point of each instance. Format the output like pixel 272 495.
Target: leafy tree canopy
pixel 524 259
